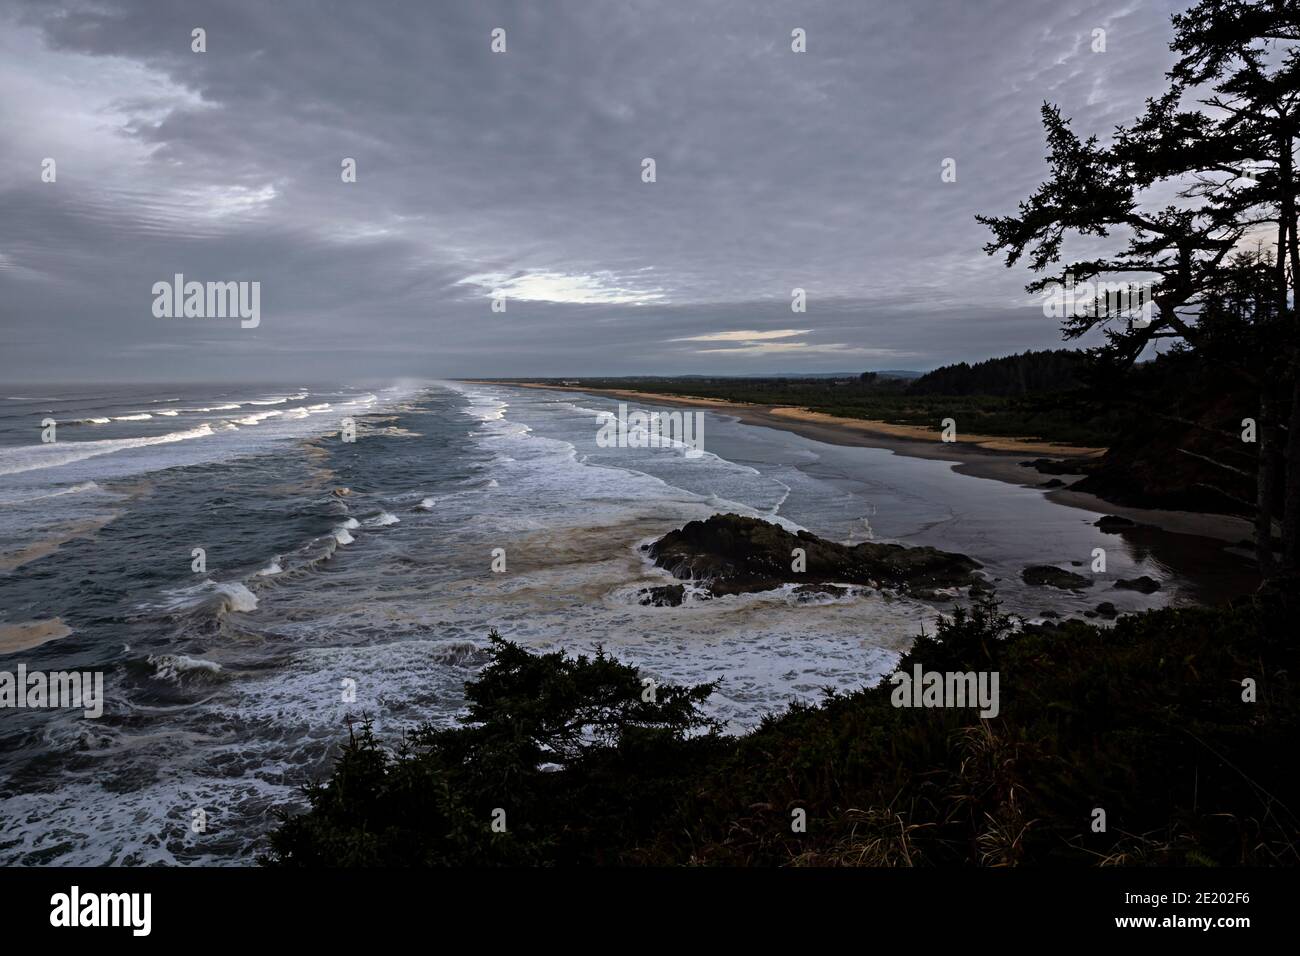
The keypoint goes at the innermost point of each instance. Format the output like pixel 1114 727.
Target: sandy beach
pixel 982 456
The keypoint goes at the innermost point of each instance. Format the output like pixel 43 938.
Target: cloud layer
pixel 520 174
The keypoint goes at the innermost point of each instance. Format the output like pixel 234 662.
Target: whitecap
pixel 54 454
pixel 341 531
pixel 174 667
pixel 272 568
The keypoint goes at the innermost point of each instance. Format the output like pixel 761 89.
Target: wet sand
pixel 981 456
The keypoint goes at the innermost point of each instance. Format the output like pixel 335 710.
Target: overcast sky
pixel 521 172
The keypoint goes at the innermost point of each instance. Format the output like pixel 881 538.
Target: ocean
pixel 335 570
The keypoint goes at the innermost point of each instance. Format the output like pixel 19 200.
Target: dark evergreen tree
pixel 1221 138
pixel 1027 373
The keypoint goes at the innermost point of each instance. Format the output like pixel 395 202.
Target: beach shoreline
pixel 979 456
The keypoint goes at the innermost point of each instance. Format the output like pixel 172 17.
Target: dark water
pixel 225 688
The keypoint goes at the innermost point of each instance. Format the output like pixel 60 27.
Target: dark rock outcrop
pixel 730 554
pixel 1046 575
pixel 1144 584
pixel 807 592
pixel 1113 524
pixel 665 595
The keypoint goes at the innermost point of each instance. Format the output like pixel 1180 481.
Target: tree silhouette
pixel 1197 198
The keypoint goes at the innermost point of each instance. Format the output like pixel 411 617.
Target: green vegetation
pixel 1032 395
pixel 1030 373
pixel 1145 720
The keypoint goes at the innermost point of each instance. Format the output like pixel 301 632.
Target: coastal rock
pixel 1052 483
pixel 1146 585
pixel 1114 524
pixel 1046 575
pixel 1107 610
pixel 808 591
pixel 664 595
pixel 731 554
pixel 934 594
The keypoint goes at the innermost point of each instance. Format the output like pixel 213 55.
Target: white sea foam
pixel 341 534
pixel 228 595
pixel 174 667
pixel 76 489
pixel 54 454
pixel 256 418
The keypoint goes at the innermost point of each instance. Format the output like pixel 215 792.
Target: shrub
pixel 1145 720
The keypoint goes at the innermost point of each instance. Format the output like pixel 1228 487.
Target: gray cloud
pixel 522 172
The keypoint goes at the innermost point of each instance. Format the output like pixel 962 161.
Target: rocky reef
pixel 1144 584
pixel 731 554
pixel 1046 575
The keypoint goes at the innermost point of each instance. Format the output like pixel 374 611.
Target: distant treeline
pixel 1024 374
pixel 1029 373
pixel 1033 395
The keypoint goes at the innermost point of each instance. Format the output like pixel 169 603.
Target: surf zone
pixel 638 429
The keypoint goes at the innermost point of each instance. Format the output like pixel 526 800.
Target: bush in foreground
pixel 1145 721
